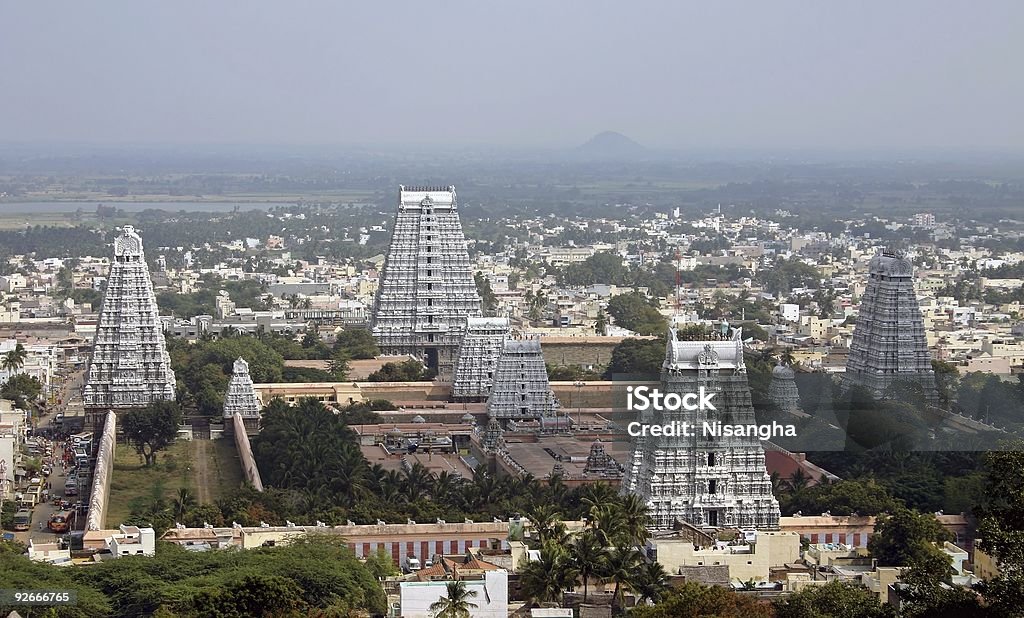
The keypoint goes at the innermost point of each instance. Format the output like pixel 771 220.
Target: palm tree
pixel 608 522
pixel 446 487
pixel 339 366
pixel 417 480
pixel 798 481
pixel 547 522
pixel 557 490
pixel 622 566
pixel 15 359
pixel 636 520
pixel 588 557
pixel 457 604
pixel 650 583
pixel 8 363
pixel 544 580
pixel 183 502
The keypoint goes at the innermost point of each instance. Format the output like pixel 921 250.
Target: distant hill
pixel 610 143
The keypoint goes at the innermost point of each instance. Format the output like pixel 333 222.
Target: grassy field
pixel 224 472
pixel 209 469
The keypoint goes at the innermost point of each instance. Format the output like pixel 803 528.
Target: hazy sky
pixel 761 74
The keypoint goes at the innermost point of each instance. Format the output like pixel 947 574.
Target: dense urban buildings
pixel 426 291
pixel 581 299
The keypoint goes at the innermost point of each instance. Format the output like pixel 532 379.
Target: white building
pixel 51 553
pixel 13 281
pixel 491 596
pixel 133 541
pixel 789 312
pixel 40 362
pixel 12 436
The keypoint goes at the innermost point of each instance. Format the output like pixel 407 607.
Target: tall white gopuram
pixel 701 479
pixel 241 399
pixel 426 291
pixel 889 343
pixel 478 358
pixel 130 366
pixel 521 390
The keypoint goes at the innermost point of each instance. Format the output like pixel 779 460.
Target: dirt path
pixel 201 469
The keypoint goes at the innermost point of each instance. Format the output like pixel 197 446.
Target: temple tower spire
pixel 130 366
pixel 426 292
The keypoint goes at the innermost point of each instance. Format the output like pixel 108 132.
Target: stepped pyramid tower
pixel 478 358
pixel 426 291
pixel 702 479
pixel 782 389
pixel 493 439
pixel 130 366
pixel 241 399
pixel 600 463
pixel 521 390
pixel 889 342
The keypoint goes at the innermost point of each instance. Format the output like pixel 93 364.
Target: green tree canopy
pixel 637 313
pixel 904 536
pixel 1001 528
pixel 152 428
pixel 699 601
pixel 358 343
pixel 602 267
pixel 405 371
pixel 833 600
pixel 22 389
pixel 637 357
pixel 789 274
pixel 204 368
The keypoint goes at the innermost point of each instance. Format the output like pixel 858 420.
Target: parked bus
pixel 81 457
pixel 29 497
pixel 60 522
pixel 22 520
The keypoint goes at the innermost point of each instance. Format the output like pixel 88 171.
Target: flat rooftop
pixel 434 462
pixel 538 458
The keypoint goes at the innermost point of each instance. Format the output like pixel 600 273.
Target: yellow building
pixel 749 561
pixel 985 566
pixel 340 393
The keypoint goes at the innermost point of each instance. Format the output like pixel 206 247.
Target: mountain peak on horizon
pixel 611 143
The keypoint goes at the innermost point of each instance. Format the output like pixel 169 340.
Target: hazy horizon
pixel 789 76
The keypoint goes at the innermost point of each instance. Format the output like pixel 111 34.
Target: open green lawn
pixel 225 471
pixel 209 469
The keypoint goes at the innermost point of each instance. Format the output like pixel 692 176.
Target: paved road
pixel 41 513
